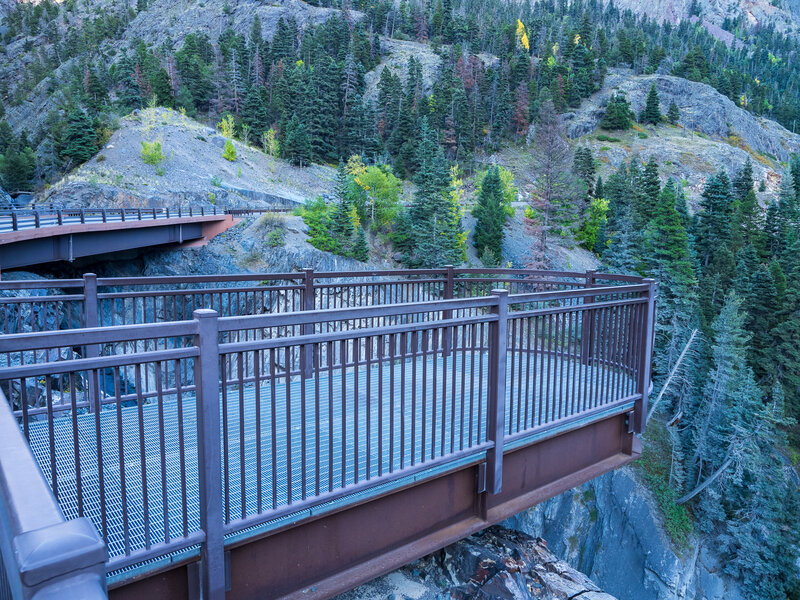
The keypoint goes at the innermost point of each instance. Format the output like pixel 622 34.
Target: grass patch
pixel 602 137
pixel 643 135
pixel 654 467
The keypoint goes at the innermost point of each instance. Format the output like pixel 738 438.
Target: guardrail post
pixel 496 403
pixel 209 454
pixel 122 214
pixel 92 350
pixel 83 216
pixel 587 321
pixel 309 303
pixel 14 222
pixel 648 331
pixel 448 314
pixel 60 217
pixel 36 221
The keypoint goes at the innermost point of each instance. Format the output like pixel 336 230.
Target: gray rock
pixel 612 521
pixel 703 109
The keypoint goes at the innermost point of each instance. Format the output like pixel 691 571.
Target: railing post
pixel 640 408
pixel 209 455
pixel 122 214
pixel 587 321
pixel 92 350
pixel 14 222
pixel 105 216
pixel 36 220
pixel 309 303
pixel 496 403
pixel 139 214
pixel 60 217
pixel 83 216
pixel 448 314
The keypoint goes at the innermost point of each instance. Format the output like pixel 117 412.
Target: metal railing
pixel 22 219
pixel 41 554
pixel 174 436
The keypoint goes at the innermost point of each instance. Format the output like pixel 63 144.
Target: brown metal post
pixel 309 303
pixel 587 322
pixel 449 284
pixel 209 454
pixel 640 409
pixel 496 403
pixel 90 320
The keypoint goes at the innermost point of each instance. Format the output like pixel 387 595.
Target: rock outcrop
pixel 609 529
pixel 495 564
pixel 193 172
pixel 703 109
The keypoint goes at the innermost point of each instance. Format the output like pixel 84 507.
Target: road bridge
pixel 293 435
pixel 41 236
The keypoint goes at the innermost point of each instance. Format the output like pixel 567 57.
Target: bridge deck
pixel 352 444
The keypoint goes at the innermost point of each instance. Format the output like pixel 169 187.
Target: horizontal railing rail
pixel 34 218
pixel 41 554
pixel 170 433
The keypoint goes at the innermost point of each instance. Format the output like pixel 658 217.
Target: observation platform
pixel 333 443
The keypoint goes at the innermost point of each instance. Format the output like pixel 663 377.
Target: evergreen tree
pixel 585 169
pixel 360 250
pixel 296 145
pixel 81 139
pixel 435 220
pixel 17 167
pixel 713 225
pixel 673 114
pixel 490 215
pixel 652 108
pixel 618 113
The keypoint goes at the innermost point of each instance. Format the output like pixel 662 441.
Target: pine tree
pixel 652 108
pixel 17 167
pixel 254 113
pixel 296 145
pixel 618 113
pixel 490 215
pixel 673 114
pixel 437 237
pixel 360 250
pixel 585 169
pixel 713 226
pixel 81 139
pixel 229 152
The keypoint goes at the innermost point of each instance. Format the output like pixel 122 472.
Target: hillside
pixel 193 172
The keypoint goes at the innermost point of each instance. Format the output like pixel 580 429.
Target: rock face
pixel 609 529
pixel 193 172
pixel 756 12
pixel 495 564
pixel 703 109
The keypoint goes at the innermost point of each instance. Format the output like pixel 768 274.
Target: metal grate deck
pixel 395 427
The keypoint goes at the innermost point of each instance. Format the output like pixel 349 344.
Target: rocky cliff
pixel 495 564
pixel 610 529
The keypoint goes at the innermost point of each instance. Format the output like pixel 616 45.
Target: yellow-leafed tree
pixel 522 37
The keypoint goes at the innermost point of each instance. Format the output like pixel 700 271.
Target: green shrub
pixel 642 135
pixel 602 137
pixel 151 153
pixel 101 158
pixel 229 153
pixel 275 238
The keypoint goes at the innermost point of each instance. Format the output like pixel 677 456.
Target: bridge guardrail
pixel 41 554
pixel 20 219
pixel 219 425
